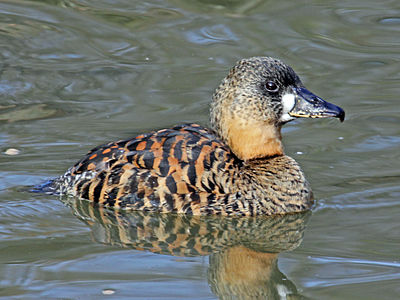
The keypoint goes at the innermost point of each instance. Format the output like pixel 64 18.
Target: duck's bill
pixel 308 105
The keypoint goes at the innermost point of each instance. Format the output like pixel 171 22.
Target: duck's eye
pixel 271 86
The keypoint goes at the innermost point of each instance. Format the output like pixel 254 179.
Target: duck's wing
pixel 179 169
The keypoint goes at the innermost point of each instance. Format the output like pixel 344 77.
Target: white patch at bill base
pixel 288 102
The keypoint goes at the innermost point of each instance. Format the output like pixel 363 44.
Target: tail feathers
pixel 50 187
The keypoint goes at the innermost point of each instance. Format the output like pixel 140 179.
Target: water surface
pixel 75 74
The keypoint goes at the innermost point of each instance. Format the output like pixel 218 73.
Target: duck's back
pixel 181 169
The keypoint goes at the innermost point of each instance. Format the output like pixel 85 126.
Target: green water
pixel 78 73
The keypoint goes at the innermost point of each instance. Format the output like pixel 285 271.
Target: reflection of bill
pixel 243 251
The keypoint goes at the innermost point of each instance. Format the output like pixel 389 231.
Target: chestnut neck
pixel 254 140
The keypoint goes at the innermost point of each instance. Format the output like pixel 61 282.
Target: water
pixel 75 74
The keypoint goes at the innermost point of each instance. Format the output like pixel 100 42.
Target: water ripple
pixel 362 271
pixel 214 34
pixel 395 21
pixel 75 74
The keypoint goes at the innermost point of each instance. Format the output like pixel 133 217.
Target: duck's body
pixel 237 168
pixel 186 169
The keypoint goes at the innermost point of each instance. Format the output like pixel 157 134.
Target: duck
pixel 237 167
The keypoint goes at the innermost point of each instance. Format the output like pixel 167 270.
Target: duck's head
pixel 258 96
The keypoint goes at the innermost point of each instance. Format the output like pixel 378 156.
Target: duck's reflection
pixel 243 251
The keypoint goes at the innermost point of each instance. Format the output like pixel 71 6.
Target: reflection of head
pixel 240 273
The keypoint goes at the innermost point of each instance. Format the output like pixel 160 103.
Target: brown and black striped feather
pixel 183 169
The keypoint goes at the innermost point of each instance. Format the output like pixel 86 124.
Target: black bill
pixel 308 105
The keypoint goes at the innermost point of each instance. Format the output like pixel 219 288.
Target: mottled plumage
pixel 235 168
